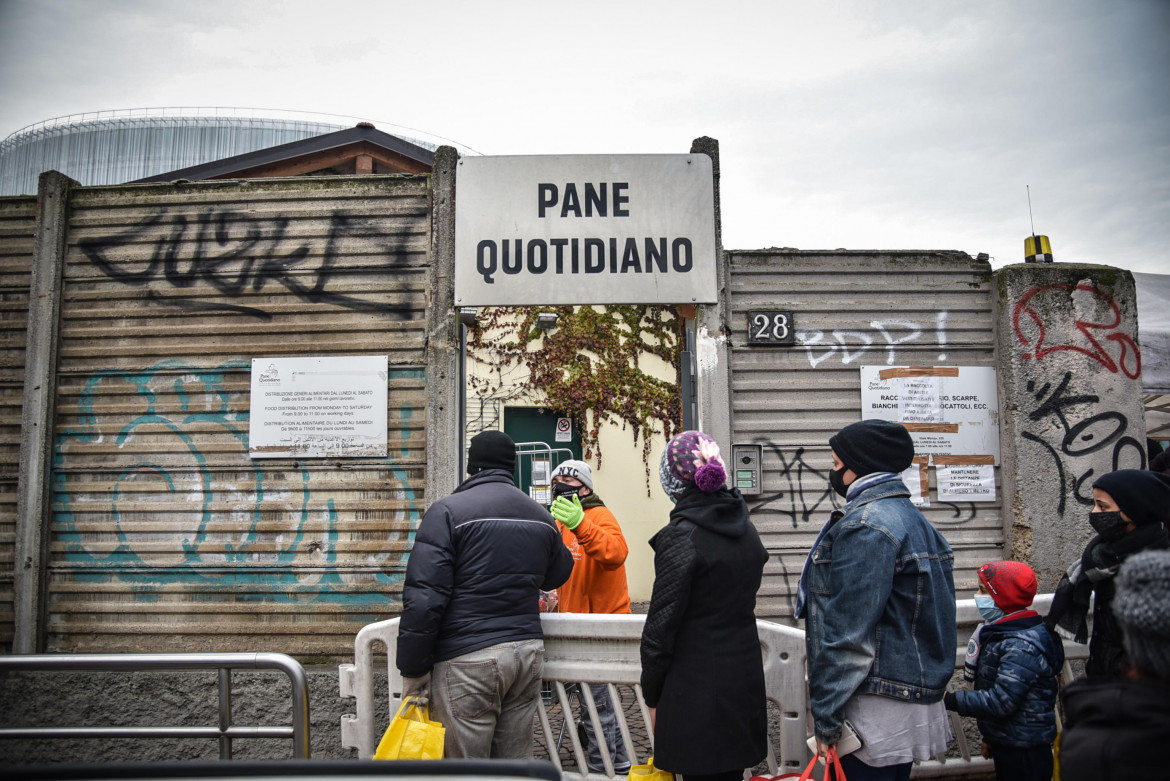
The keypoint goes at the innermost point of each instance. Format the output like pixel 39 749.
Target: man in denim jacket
pixel 878 594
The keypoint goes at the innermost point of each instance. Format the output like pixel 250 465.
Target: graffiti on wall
pixel 849 346
pixel 174 519
pixel 238 256
pixel 1083 436
pixel 807 496
pixel 806 489
pixel 1037 317
pixel 1072 444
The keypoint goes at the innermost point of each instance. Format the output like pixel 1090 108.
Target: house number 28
pixel 770 326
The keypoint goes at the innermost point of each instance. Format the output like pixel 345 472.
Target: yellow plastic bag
pixel 412 734
pixel 648 772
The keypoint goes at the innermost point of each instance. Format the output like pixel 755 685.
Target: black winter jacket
pixel 1015 684
pixel 473 580
pixel 1114 728
pixel 701 661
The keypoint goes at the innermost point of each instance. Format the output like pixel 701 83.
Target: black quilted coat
pixel 701 661
pixel 473 580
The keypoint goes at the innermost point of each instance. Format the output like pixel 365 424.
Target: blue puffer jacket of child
pixel 1014 699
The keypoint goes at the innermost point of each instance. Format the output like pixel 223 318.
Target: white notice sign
pixel 949 410
pixel 332 407
pixel 918 400
pixel 967 483
pixel 584 229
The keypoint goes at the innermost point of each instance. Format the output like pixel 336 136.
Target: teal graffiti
pixel 201 563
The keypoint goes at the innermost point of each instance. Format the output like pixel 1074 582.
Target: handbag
pixel 412 734
pixel 832 760
pixel 648 772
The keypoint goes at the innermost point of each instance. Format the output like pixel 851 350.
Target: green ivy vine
pixel 586 367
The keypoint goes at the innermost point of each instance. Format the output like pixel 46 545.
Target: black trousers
pixel 1022 764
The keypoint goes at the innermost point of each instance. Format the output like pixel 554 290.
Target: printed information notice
pixel 328 407
pixel 969 483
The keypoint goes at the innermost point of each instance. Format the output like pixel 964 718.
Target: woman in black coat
pixel 1131 512
pixel 702 669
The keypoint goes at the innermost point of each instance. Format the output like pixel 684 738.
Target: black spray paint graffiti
pixel 798 473
pixel 808 493
pixel 1080 439
pixel 235 255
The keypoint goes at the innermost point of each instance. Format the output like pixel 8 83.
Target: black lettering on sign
pixel 546 195
pixel 597 199
pixel 571 203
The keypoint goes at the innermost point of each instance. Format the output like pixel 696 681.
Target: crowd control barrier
pixel 225 732
pixel 582 648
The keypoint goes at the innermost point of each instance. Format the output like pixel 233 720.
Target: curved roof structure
pixel 113 147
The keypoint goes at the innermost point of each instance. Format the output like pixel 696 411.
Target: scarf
pixel 1099 563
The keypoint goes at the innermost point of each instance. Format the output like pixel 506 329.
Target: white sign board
pixel 584 229
pixel 318 407
pixel 564 430
pixel 949 410
pixel 966 483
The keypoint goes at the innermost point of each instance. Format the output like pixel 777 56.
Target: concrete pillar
pixel 33 509
pixel 712 329
pixel 443 425
pixel 1070 399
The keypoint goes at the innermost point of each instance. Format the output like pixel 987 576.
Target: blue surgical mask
pixel 987 608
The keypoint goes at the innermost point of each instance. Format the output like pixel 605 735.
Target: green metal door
pixel 538 451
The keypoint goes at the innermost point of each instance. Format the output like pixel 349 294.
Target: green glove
pixel 568 513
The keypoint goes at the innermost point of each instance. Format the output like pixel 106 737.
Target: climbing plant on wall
pixel 588 367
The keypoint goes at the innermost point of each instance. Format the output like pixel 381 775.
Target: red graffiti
pixel 1090 330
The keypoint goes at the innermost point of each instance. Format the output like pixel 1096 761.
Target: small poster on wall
pixel 325 407
pixel 949 410
pixel 952 414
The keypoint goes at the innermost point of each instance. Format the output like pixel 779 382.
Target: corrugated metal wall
pixel 165 535
pixel 851 309
pixel 17 227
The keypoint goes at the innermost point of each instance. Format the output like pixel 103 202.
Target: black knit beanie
pixel 874 446
pixel 491 450
pixel 1143 496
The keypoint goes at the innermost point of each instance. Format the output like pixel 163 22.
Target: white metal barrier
pixel 583 648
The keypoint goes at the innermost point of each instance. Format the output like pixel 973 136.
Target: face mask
pixel 987 608
pixel 1109 525
pixel 565 490
pixel 837 480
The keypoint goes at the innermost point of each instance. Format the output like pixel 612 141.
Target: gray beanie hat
pixel 577 469
pixel 1141 605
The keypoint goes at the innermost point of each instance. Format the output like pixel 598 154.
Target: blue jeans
pixel 487 700
pixel 609 729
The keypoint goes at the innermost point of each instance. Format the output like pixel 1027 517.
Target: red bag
pixel 831 760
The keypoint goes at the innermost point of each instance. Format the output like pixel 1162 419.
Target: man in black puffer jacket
pixel 470 640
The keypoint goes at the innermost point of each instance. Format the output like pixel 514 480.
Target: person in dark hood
pixel 1118 728
pixel 1015 662
pixel 878 593
pixel 702 670
pixel 1131 511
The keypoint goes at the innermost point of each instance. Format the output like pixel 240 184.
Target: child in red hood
pixel 1016 660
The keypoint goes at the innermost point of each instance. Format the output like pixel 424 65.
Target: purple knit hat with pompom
pixel 692 457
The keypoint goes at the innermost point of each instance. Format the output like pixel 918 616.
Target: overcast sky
pixel 863 125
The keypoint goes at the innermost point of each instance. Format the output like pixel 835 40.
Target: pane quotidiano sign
pixel 584 229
